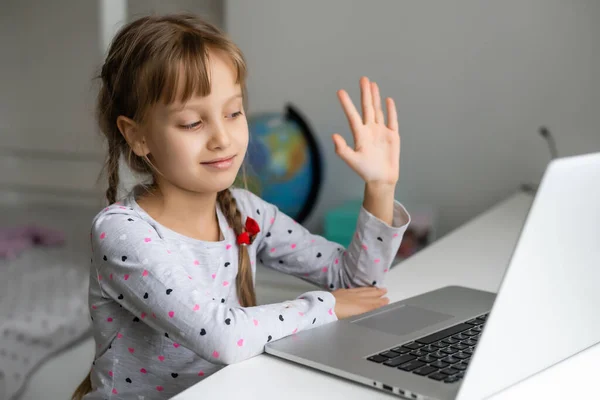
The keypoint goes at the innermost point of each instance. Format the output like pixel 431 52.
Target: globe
pixel 283 163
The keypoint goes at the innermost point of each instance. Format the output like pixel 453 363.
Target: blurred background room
pixel 485 91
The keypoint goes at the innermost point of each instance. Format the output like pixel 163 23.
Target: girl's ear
pixel 133 135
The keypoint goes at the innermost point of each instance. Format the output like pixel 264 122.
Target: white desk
pixel 475 255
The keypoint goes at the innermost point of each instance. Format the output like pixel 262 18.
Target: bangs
pixel 181 70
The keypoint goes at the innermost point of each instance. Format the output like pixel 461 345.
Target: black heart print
pixel 320 299
pixel 202 332
pixel 289 231
pixel 166 335
pixel 257 211
pixel 268 234
pixel 228 321
pixel 120 297
pixel 227 264
pixel 169 291
pixel 136 319
pixel 331 286
pixel 269 338
pixel 222 300
pixel 104 258
pixel 128 380
pixel 146 295
pixel 174 375
pixel 129 219
pixel 374 283
pixel 281 317
pixel 124 258
pixel 318 255
pixel 380 239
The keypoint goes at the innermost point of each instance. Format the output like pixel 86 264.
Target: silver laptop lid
pixel 547 306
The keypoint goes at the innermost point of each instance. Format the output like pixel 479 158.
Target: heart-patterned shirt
pixel 164 306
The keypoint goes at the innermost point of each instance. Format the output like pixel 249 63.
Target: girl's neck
pixel 188 213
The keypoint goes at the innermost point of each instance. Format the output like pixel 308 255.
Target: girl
pixel 172 276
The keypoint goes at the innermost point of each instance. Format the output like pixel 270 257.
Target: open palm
pixel 376 153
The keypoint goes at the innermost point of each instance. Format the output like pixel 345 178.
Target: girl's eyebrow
pixel 172 109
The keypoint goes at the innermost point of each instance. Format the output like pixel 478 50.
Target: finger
pixel 379 118
pixel 352 114
pixel 372 292
pixel 342 149
pixel 392 115
pixel 367 100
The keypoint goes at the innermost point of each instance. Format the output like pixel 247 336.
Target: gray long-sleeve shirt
pixel 164 306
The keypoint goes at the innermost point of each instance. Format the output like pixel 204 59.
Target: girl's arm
pixel 138 270
pixel 287 246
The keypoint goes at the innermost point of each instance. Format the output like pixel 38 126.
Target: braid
pixel 244 279
pixel 113 174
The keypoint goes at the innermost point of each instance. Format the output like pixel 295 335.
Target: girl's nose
pixel 220 138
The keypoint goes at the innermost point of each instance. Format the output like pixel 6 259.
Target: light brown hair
pixel 141 69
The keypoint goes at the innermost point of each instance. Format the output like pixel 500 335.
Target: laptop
pixel 461 343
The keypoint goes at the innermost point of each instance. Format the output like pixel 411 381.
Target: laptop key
pixel 377 358
pixel 439 345
pixel 438 354
pixel 413 345
pixel 460 336
pixel 470 342
pixel 426 370
pixel 462 356
pixel 473 321
pixel 437 376
pixel 460 366
pixel 449 371
pixel 449 350
pixel 401 350
pixel 439 364
pixel 429 348
pixel 451 360
pixel 409 366
pixel 476 329
pixel 451 379
pixel 470 333
pixel 450 340
pixel 459 346
pixel 419 353
pixel 389 354
pixel 444 333
pixel 394 362
pixel 428 359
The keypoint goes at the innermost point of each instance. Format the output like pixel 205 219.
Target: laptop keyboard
pixel 442 356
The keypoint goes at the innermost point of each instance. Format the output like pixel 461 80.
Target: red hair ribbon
pixel 251 229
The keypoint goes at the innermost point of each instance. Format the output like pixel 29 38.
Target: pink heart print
pixel 160 388
pixel 255 322
pixel 201 373
pixel 102 235
pixel 196 262
pixel 377 260
pixel 196 307
pixel 161 358
pixel 293 245
pixel 171 314
pixel 143 315
pixel 145 273
pixel 126 276
pixel 225 283
pixel 330 311
pixel 240 342
pixel 119 335
pixel 115 391
pixel 227 247
pixel 147 240
pixel 143 370
pixel 215 354
pixel 176 345
pixel 131 350
pixel 214 276
pixel 324 269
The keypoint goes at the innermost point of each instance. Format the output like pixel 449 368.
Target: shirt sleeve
pixel 138 270
pixel 290 248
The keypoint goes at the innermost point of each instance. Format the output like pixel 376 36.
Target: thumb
pixel 341 148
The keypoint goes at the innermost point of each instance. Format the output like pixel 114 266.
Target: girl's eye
pixel 191 126
pixel 236 114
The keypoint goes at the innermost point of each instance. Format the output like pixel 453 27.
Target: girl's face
pixel 183 138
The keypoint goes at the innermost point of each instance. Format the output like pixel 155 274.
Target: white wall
pixel 472 80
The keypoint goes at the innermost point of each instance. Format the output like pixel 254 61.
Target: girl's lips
pixel 220 165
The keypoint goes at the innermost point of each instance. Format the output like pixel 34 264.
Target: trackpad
pixel 403 320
